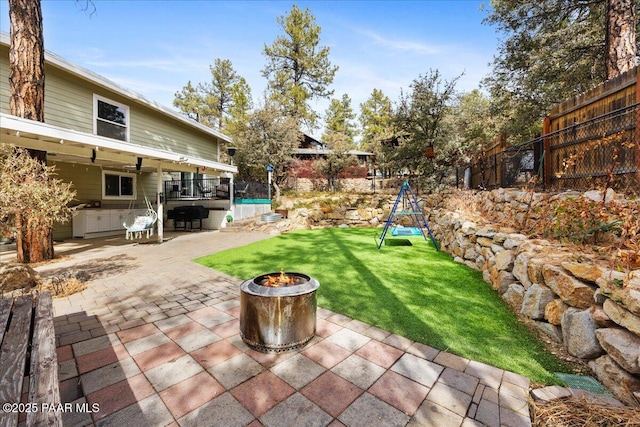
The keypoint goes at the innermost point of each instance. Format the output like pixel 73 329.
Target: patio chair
pixel 204 191
pixel 136 224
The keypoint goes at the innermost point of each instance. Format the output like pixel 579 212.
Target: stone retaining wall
pixel 575 300
pixel 349 185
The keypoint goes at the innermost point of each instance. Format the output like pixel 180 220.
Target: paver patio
pixel 154 340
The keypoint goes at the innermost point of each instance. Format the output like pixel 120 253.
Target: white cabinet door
pixel 97 221
pixel 116 218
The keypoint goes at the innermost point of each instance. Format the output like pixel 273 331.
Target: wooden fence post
pixel 637 132
pixel 546 129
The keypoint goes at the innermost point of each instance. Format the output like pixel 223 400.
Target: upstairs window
pixel 111 119
pixel 118 185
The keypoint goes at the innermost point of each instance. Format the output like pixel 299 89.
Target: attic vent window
pixel 111 119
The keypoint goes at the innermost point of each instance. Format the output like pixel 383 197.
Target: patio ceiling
pixel 70 146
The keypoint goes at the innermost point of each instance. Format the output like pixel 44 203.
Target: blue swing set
pixel 410 208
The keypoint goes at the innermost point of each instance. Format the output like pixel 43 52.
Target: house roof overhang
pixel 67 145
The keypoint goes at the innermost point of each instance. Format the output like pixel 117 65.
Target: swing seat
pixel 137 225
pixel 406 231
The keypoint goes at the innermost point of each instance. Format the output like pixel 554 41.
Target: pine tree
pixel 298 69
pixel 340 119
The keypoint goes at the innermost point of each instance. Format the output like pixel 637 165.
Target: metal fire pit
pixel 278 319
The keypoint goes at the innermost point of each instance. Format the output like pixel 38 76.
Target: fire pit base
pixel 278 319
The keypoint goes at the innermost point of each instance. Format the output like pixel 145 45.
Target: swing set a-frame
pixel 406 204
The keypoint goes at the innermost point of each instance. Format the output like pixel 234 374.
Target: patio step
pixel 238 226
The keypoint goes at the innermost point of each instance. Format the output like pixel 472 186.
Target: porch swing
pixel 136 224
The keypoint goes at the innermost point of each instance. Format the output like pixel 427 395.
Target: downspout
pixel 160 203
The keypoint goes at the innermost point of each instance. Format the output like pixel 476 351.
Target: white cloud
pixel 409 46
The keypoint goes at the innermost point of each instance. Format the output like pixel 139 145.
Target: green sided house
pixel 119 149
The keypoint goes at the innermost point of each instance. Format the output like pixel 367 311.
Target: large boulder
pixel 552 331
pixel 500 280
pixel 601 318
pixel 504 260
pixel 484 241
pixel 622 288
pixel 520 269
pixel 571 290
pixel 514 295
pixel 15 276
pixel 534 269
pixel 579 334
pixel 599 196
pixel 514 240
pixel 535 300
pixel 622 346
pixel 583 271
pixel 554 310
pixel 621 383
pixel 622 317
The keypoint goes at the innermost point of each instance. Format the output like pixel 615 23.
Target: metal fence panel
pixel 597 151
pixel 600 151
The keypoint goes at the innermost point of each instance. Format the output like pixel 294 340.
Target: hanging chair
pixel 137 224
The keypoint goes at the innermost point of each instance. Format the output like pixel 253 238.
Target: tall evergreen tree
pixel 340 119
pixel 339 135
pixel 219 92
pixel 375 119
pixel 211 103
pixel 552 50
pixel 298 69
pixel 239 110
pixel 191 103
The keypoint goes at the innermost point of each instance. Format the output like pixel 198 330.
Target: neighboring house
pixel 115 146
pixel 312 149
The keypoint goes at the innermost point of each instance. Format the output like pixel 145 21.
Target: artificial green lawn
pixel 413 291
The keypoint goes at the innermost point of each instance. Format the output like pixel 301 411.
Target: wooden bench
pixel 28 348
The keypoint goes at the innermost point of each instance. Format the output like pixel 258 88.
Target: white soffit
pixel 58 140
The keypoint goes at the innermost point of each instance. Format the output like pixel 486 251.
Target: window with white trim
pixel 110 118
pixel 118 185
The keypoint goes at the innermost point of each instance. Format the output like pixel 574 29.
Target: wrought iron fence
pixel 511 167
pixel 601 150
pixel 250 190
pixel 197 189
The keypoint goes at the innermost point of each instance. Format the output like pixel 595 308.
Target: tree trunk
pixel 26 100
pixel 36 245
pixel 26 59
pixel 621 37
pixel 277 188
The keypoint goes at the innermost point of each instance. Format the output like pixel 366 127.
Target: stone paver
pixel 298 371
pixel 369 411
pixel 417 369
pixel 155 338
pixel 296 410
pixel 359 371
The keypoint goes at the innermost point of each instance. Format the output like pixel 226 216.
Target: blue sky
pixel 155 47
